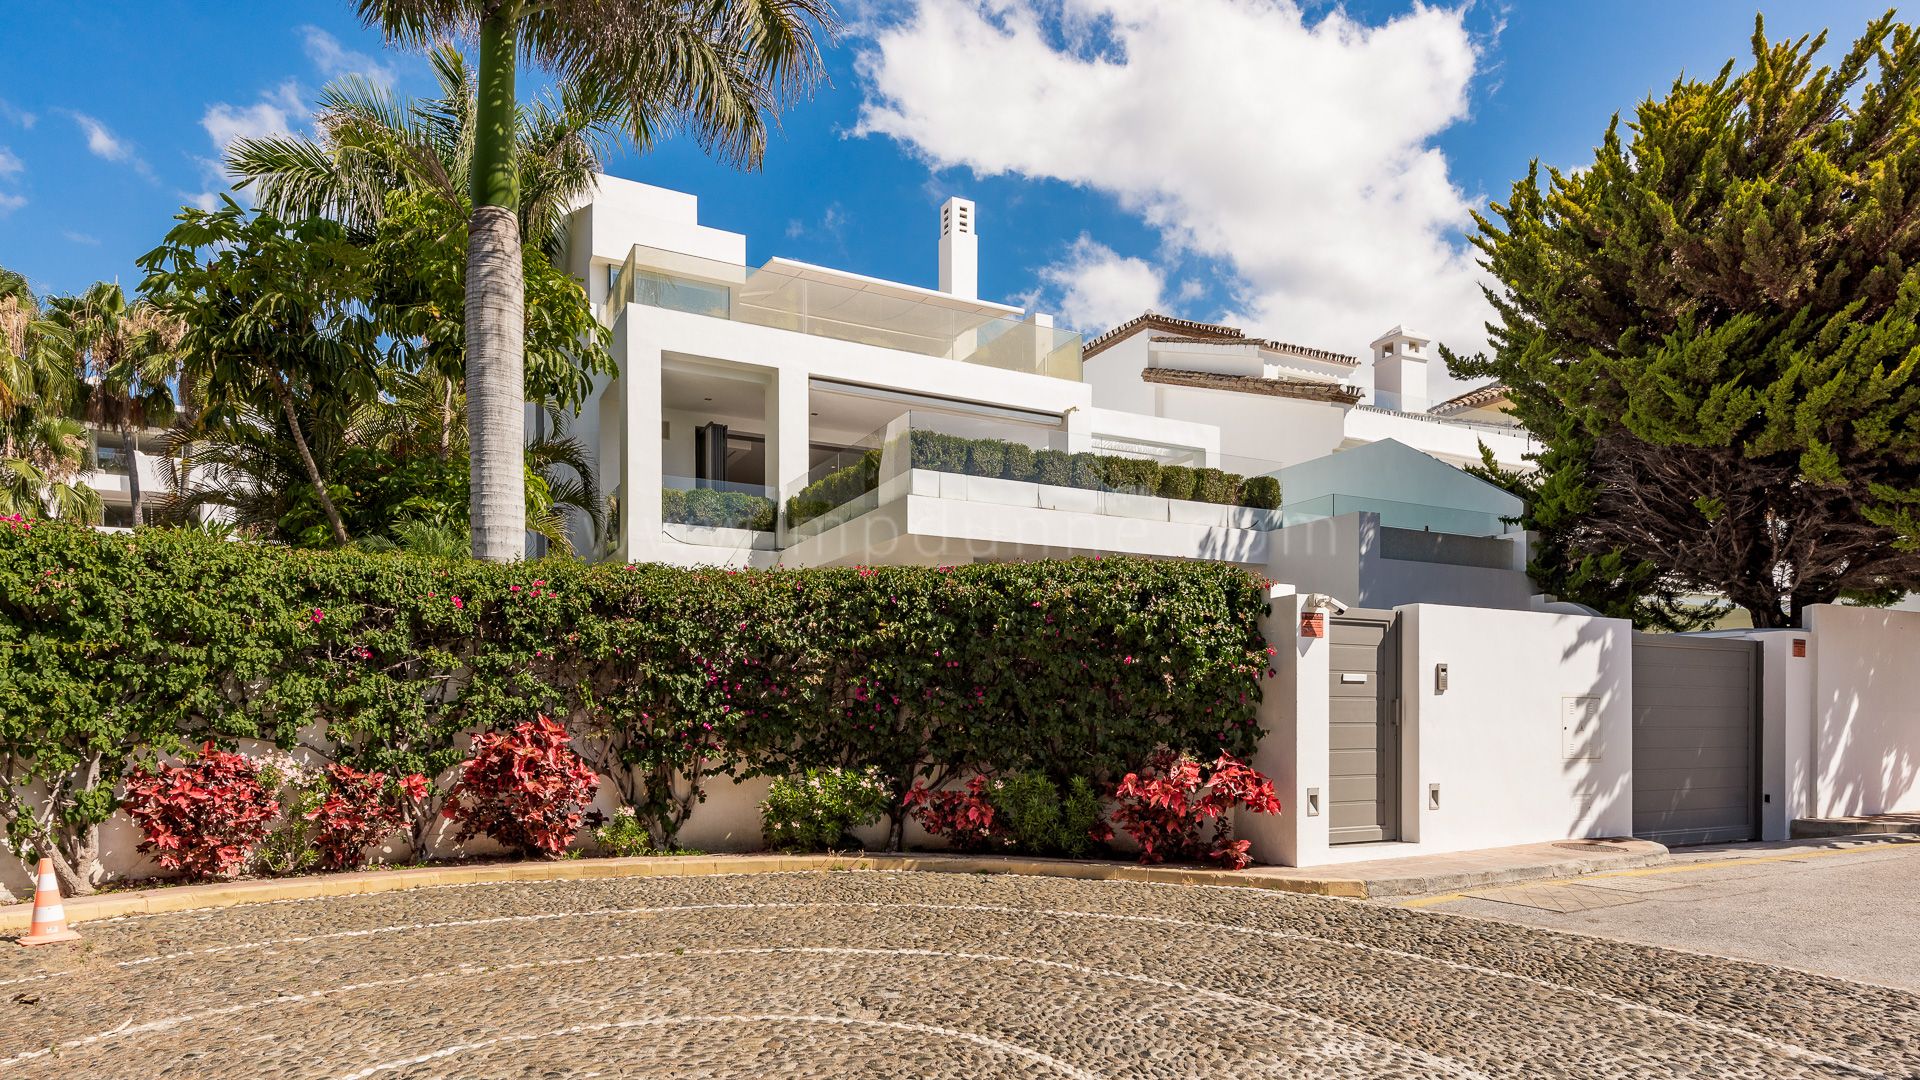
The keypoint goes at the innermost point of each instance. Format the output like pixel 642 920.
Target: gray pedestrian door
pixel 1696 707
pixel 1365 737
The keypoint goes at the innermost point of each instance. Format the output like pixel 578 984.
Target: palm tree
pixel 716 69
pixel 43 450
pixel 123 356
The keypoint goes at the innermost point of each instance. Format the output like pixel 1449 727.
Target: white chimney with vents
pixel 959 249
pixel 1400 371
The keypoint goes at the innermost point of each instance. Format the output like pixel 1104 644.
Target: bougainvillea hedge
pixel 114 647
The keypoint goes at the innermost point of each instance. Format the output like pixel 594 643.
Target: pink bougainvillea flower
pixel 458 603
pixel 513 588
pixel 318 615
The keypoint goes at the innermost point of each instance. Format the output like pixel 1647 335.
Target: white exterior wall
pixel 1864 730
pixel 1493 742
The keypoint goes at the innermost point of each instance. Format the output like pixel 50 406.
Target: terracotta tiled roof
pixel 1166 323
pixel 1305 389
pixel 1472 399
pixel 1325 356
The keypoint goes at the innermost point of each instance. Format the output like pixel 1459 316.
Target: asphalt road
pixel 1848 907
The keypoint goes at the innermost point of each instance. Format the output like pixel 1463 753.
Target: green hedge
pixel 114 647
pixel 719 509
pixel 1015 461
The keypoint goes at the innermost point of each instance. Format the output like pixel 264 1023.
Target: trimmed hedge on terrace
pixel 717 509
pixel 1016 461
pixel 115 648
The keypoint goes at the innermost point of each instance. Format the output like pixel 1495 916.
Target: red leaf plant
pixel 358 812
pixel 526 789
pixel 204 817
pixel 964 819
pixel 1164 806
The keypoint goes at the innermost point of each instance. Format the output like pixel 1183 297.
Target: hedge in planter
pixel 717 509
pixel 1000 458
pixel 114 647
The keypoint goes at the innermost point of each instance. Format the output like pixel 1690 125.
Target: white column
pixel 1294 751
pixel 639 356
pixel 789 421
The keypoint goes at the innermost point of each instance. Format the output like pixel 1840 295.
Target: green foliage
pixel 1260 492
pixel 1214 486
pixel 1040 820
pixel 818 809
pixel 1712 331
pixel 1020 464
pixel 1053 467
pixel 837 488
pixel 718 509
pixel 115 646
pixel 1134 475
pixel 1176 482
pixel 987 457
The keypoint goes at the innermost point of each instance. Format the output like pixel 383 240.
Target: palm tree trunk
pixel 496 310
pixel 130 438
pixel 306 458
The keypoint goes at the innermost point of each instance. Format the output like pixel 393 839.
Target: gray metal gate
pixel 1364 737
pixel 1696 709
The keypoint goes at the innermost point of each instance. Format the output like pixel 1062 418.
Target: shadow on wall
pixel 1866 710
pixel 1598 760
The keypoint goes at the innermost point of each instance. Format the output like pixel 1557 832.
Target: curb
pixel 16 918
pixel 1312 881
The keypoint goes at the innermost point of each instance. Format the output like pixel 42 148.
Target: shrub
pixel 818 809
pixel 963 818
pixel 625 836
pixel 359 810
pixel 1164 807
pixel 717 509
pixel 1213 486
pixel 526 789
pixel 1087 471
pixel 1041 822
pixel 1053 467
pixel 1020 462
pixel 201 818
pixel 664 674
pixel 1176 482
pixel 987 457
pixel 837 488
pixel 939 451
pixel 1260 492
pixel 1137 476
pixel 289 846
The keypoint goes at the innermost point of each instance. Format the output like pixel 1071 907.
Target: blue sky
pixel 1303 169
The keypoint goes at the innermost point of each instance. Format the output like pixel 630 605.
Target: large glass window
pixel 680 294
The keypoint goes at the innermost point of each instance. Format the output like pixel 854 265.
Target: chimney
pixel 1400 371
pixel 959 250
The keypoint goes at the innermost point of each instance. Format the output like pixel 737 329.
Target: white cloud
pixel 335 60
pixel 1097 287
pixel 204 200
pixel 10 162
pixel 105 145
pixel 1297 152
pixel 80 238
pixel 278 112
pixel 12 114
pixel 10 203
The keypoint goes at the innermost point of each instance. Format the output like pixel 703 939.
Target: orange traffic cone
pixel 49 916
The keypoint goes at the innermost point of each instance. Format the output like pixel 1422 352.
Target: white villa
pixel 809 416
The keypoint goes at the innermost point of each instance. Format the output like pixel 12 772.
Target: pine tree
pixel 1712 329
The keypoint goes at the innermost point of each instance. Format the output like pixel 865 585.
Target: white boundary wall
pixel 1495 742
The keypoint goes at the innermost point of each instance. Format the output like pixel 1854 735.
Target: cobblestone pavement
pixel 906 975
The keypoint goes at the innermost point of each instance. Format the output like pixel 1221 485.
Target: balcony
pixel 933 487
pixel 787 295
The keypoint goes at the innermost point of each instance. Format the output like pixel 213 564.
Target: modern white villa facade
pixel 811 416
pixel 1421 699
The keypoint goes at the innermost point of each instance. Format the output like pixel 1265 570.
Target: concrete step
pixel 1822 828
